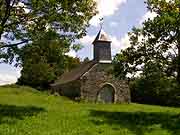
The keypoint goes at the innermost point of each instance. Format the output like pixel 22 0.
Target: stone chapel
pixel 93 81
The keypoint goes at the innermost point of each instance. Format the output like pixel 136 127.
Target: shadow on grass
pixel 139 122
pixel 9 114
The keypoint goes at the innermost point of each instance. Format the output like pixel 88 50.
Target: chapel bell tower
pixel 102 48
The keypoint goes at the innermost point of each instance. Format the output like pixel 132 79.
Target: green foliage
pixel 120 66
pixel 155 90
pixel 154 56
pixel 157 41
pixel 151 85
pixel 24 21
pixel 71 63
pixel 46 31
pixel 45 60
pixel 37 75
pixel 43 114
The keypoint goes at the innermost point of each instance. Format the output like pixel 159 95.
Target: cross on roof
pixel 101 22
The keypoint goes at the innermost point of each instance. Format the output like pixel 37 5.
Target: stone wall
pixel 96 78
pixel 71 89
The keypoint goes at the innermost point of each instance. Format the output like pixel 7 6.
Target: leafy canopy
pixel 45 60
pixel 157 41
pixel 23 21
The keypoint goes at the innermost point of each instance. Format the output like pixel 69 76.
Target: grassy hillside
pixel 25 111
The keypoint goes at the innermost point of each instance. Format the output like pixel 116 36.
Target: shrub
pixel 161 91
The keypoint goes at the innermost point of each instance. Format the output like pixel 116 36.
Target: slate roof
pixel 75 74
pixel 83 68
pixel 101 36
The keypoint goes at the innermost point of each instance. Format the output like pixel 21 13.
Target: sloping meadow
pixel 25 111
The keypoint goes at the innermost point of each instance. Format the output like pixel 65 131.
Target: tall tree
pixel 44 61
pixel 158 40
pixel 22 21
pixel 164 30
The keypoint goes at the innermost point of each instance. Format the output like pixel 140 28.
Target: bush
pixel 44 61
pixel 161 91
pixel 37 75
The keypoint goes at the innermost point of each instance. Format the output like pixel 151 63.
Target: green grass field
pixel 25 111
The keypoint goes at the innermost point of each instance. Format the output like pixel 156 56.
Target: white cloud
pixel 9 74
pixel 95 20
pixel 148 15
pixel 87 40
pixel 72 53
pixel 106 8
pixel 116 44
pixel 119 44
pixel 125 43
pixel 7 79
pixel 113 24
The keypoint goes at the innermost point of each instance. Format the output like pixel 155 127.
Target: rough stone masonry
pixel 93 81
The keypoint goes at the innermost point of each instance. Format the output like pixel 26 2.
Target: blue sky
pixel 122 16
pixel 119 18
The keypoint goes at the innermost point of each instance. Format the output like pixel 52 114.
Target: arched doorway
pixel 106 94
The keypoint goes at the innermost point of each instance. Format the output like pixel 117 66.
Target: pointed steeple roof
pixel 101 36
